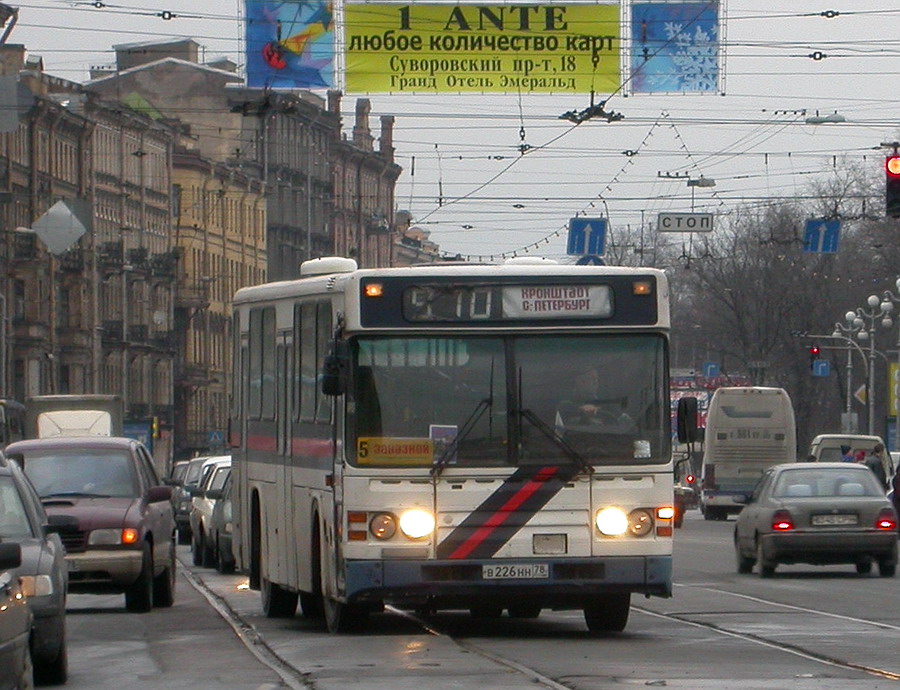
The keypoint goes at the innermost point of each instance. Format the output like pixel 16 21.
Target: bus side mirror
pixel 334 369
pixel 687 420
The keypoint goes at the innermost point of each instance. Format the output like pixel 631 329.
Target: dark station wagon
pixel 123 536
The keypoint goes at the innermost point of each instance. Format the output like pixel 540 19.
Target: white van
pixel 748 430
pixel 827 448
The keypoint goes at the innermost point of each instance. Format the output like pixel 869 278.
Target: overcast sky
pixel 475 192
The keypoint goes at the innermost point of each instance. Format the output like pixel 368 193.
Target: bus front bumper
pixel 568 583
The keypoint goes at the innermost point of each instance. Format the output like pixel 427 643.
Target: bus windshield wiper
pixel 451 448
pixel 561 443
pixel 72 494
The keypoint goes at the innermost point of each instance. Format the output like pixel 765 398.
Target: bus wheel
pixel 344 618
pixel 607 613
pixel 277 602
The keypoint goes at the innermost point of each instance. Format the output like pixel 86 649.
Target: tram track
pixel 298 679
pixel 537 677
pixel 797 650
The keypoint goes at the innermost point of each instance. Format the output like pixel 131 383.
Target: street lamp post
pixel 857 319
pixel 888 300
pixel 846 333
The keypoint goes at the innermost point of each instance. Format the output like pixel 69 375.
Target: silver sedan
pixel 817 513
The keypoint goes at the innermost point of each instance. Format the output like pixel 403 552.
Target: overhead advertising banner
pixel 674 47
pixel 290 44
pixel 440 48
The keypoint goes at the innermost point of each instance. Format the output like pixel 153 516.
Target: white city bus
pixel 397 438
pixel 748 429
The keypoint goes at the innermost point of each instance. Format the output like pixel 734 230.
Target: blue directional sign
pixel 710 370
pixel 822 236
pixel 590 260
pixel 586 236
pixel 821 367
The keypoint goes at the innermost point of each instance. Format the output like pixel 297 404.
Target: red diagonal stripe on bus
pixel 502 513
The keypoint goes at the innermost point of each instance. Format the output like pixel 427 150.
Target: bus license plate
pixel 515 571
pixel 834 519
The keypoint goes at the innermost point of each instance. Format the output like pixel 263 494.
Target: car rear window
pixel 826 483
pixel 99 473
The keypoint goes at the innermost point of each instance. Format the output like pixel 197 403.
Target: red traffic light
pixel 892 166
pixel 892 185
pixel 814 351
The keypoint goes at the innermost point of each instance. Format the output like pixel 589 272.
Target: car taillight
pixel 782 521
pixel 886 520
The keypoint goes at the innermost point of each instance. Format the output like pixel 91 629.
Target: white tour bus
pixel 406 436
pixel 747 430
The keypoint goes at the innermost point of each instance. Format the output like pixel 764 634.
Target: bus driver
pixel 585 410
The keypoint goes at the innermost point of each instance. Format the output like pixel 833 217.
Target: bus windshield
pixel 478 401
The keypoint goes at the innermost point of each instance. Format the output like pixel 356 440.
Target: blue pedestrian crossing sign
pixel 822 236
pixel 586 236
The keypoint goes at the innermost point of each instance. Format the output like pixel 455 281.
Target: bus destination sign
pixel 454 302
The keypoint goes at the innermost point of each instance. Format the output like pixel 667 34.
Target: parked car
pixel 193 473
pixel 123 539
pixel 221 527
pixel 819 513
pixel 215 472
pixel 181 500
pixel 15 623
pixel 42 571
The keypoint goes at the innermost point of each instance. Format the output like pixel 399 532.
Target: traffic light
pixel 814 352
pixel 154 427
pixel 892 185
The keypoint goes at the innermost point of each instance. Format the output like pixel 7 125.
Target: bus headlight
pixel 383 526
pixel 640 523
pixel 417 523
pixel 612 521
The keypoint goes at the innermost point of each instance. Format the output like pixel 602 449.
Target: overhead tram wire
pixel 553 140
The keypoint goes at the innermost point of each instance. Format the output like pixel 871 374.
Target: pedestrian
pixel 846 455
pixel 875 462
pixel 895 496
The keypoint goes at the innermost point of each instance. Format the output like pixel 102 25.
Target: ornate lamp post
pixel 858 319
pixel 846 333
pixel 888 301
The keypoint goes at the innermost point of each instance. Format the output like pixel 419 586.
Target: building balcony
pixel 164 264
pixel 164 340
pixel 74 338
pixel 138 333
pixel 139 258
pixel 25 246
pixel 192 375
pixel 110 255
pixel 192 296
pixel 138 412
pixel 112 331
pixel 73 261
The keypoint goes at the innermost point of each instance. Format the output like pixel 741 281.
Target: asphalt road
pixel 807 628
